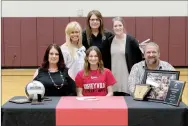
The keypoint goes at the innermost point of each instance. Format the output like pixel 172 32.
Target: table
pixel 114 110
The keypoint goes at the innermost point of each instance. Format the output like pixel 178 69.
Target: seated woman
pixel 72 49
pixel 94 79
pixel 54 75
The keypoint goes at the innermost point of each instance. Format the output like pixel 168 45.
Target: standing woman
pixel 94 79
pixel 54 75
pixel 95 35
pixel 125 53
pixel 72 49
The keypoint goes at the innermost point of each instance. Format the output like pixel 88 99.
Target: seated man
pixel 152 61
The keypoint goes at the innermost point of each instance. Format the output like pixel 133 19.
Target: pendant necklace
pixel 57 86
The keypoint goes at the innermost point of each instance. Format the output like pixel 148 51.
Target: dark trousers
pixel 121 94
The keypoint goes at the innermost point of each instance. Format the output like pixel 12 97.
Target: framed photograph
pixel 159 81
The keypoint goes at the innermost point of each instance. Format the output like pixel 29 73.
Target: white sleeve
pixel 81 52
pixel 67 57
pixel 78 63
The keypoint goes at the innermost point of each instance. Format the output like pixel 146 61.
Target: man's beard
pixel 152 61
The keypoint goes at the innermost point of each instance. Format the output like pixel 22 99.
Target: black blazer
pixel 104 48
pixel 132 52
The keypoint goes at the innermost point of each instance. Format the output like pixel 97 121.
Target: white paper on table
pixel 86 98
pixel 150 82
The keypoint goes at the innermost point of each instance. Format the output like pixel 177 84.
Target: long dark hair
pixel 60 64
pixel 88 28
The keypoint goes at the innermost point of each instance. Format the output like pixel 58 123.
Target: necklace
pixel 57 86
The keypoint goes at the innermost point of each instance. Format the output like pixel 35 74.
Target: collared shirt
pixel 102 42
pixel 96 41
pixel 138 70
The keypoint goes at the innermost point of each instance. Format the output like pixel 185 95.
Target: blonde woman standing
pixel 72 49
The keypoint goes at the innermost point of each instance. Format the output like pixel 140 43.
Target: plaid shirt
pixel 137 73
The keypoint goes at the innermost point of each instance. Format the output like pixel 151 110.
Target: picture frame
pixel 175 92
pixel 141 91
pixel 159 80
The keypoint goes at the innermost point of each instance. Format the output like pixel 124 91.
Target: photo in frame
pixel 159 81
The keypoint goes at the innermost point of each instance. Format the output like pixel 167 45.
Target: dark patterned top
pixel 67 89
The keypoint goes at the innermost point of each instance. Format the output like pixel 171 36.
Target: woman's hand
pixel 110 91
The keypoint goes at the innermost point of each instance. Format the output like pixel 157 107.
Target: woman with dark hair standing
pixel 54 75
pixel 95 35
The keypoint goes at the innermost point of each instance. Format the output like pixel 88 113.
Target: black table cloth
pixel 140 113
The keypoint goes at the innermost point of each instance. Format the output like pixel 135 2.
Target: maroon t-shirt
pixel 96 83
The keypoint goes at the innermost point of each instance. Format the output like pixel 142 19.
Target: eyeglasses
pixel 94 20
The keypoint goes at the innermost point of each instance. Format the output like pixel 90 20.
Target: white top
pixel 74 64
pixel 119 65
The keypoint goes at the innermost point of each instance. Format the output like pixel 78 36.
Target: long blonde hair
pixel 68 30
pixel 86 63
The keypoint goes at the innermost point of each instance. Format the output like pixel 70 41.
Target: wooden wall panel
pixel 186 42
pixel 177 41
pixel 28 42
pixel 45 30
pixel 144 28
pixel 81 20
pixel 108 25
pixel 2 43
pixel 130 25
pixel 59 29
pixel 161 35
pixel 24 40
pixel 12 41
